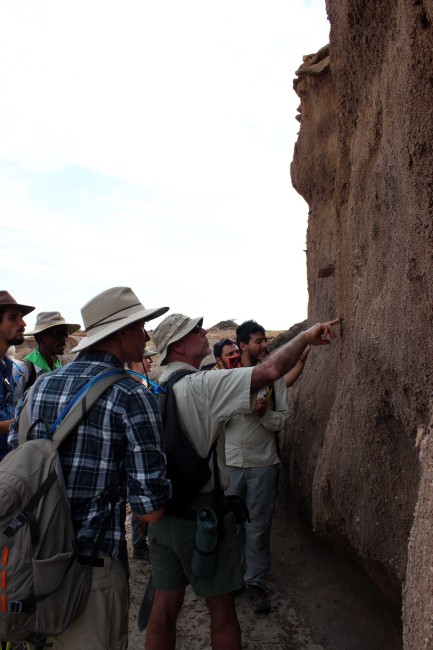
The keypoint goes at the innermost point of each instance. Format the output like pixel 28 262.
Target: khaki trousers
pixel 103 625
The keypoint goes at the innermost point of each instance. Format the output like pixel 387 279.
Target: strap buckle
pixel 15 524
pixel 15 606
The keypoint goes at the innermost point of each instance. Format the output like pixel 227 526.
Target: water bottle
pixel 205 544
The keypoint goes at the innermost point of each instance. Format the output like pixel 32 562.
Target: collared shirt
pixel 7 390
pixel 250 439
pixel 118 444
pixel 22 371
pixel 205 400
pixel 40 362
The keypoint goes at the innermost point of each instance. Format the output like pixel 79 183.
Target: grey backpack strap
pixel 25 420
pixel 83 406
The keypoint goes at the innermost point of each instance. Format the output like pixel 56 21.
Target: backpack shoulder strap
pixel 32 373
pixel 74 412
pixel 168 398
pixel 82 403
pixel 25 420
pixel 176 376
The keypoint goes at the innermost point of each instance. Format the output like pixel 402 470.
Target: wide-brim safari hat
pixel 6 300
pixel 111 311
pixel 149 353
pixel 45 320
pixel 172 329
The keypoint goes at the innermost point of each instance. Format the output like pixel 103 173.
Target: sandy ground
pixel 320 602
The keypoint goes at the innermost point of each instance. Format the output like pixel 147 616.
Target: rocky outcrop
pixel 418 588
pixel 363 162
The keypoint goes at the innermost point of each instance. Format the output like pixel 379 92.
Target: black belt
pixel 87 560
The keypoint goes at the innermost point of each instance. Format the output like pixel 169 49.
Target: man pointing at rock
pixel 205 400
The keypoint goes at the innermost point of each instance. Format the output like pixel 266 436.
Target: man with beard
pixel 253 458
pixel 204 401
pixel 12 328
pixel 226 354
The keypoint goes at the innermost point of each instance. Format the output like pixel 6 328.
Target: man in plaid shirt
pixel 117 445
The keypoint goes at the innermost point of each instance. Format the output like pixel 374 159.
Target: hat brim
pixel 184 331
pixel 71 327
pixel 101 334
pixel 23 309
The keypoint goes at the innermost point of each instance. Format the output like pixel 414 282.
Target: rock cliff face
pixel 363 162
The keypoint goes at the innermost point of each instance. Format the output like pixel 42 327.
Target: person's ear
pixel 177 347
pixel 243 346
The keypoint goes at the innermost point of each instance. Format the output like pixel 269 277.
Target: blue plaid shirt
pixel 117 445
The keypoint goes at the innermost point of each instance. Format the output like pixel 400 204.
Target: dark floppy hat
pixel 6 300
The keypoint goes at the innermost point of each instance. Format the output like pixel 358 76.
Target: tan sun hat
pixel 111 311
pixel 6 300
pixel 47 319
pixel 172 329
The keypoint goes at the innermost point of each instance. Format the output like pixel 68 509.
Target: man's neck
pixel 245 360
pixel 196 363
pixel 49 358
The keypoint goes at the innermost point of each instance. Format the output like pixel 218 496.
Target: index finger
pixel 327 329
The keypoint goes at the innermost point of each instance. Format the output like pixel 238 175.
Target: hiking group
pixel 113 446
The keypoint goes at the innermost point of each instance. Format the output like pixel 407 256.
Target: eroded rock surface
pixel 363 162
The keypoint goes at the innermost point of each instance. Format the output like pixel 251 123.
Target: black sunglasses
pixel 196 330
pixel 57 334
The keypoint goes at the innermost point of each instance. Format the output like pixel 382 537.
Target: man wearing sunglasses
pixel 205 401
pixel 12 328
pixel 51 333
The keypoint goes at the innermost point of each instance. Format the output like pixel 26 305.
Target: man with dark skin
pixel 12 328
pixel 51 333
pixel 205 400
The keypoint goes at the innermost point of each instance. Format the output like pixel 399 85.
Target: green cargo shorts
pixel 171 544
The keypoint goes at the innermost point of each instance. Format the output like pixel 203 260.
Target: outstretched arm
pixel 284 359
pixel 294 374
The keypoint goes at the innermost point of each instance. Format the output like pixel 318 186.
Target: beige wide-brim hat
pixel 172 329
pixel 111 311
pixel 6 300
pixel 45 320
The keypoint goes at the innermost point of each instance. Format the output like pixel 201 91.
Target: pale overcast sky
pixel 148 144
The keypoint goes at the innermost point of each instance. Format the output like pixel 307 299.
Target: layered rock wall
pixel 363 162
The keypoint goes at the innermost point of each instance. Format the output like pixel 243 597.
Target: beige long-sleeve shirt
pixel 250 439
